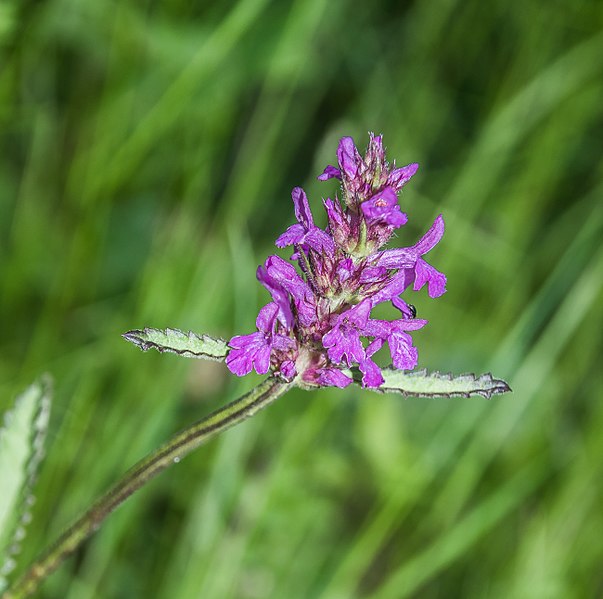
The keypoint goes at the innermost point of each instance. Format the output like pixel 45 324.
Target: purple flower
pixel 285 276
pixel 304 231
pixel 318 326
pixel 342 341
pixel 279 296
pixel 409 260
pixel 404 355
pixel 383 207
pixel 253 351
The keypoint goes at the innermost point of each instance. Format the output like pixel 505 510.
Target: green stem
pixel 170 452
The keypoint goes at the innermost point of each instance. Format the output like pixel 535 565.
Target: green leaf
pixel 21 451
pixel 421 383
pixel 189 345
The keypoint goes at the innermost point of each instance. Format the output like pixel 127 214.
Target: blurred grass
pixel 149 149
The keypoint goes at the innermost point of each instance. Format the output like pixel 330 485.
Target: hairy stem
pixel 169 453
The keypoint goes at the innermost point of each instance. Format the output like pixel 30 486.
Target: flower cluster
pixel 318 324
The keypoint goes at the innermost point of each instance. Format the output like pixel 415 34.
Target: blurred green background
pixel 148 153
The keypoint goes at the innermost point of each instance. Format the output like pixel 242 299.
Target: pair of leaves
pixel 409 384
pixel 21 451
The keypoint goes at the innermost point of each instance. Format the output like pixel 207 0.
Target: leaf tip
pixel 135 336
pixel 500 387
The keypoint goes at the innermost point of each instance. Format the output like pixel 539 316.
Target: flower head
pixel 318 327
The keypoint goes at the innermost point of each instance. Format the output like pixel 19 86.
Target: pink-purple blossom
pixel 318 328
pixel 383 207
pixel 253 351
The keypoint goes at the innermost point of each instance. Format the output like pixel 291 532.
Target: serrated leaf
pixel 21 451
pixel 189 345
pixel 435 384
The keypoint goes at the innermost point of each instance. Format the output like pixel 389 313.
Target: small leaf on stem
pixel 189 345
pixel 421 383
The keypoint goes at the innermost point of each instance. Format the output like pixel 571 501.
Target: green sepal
pixel 189 345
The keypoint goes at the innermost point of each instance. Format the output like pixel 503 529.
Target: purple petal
pixel 373 347
pixel 239 362
pixel 397 258
pixel 266 318
pixel 332 377
pixel 279 296
pixel 334 212
pixel 348 157
pixel 281 271
pixel 407 257
pixel 407 324
pixel 283 343
pixel 358 315
pixel 431 238
pixel 404 354
pixel 306 312
pixel 425 273
pixel 247 342
pixel 372 376
pixel 400 176
pixel 288 278
pixel 377 328
pixel 335 343
pixel 320 241
pixel 399 303
pixel 329 173
pixel 372 274
pixel 246 351
pixel 294 234
pixel 343 342
pixel 399 282
pixel 302 208
pixel 305 231
pixel 261 359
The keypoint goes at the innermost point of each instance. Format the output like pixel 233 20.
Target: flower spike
pixel 319 323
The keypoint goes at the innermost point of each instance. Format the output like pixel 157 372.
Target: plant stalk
pixel 172 451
